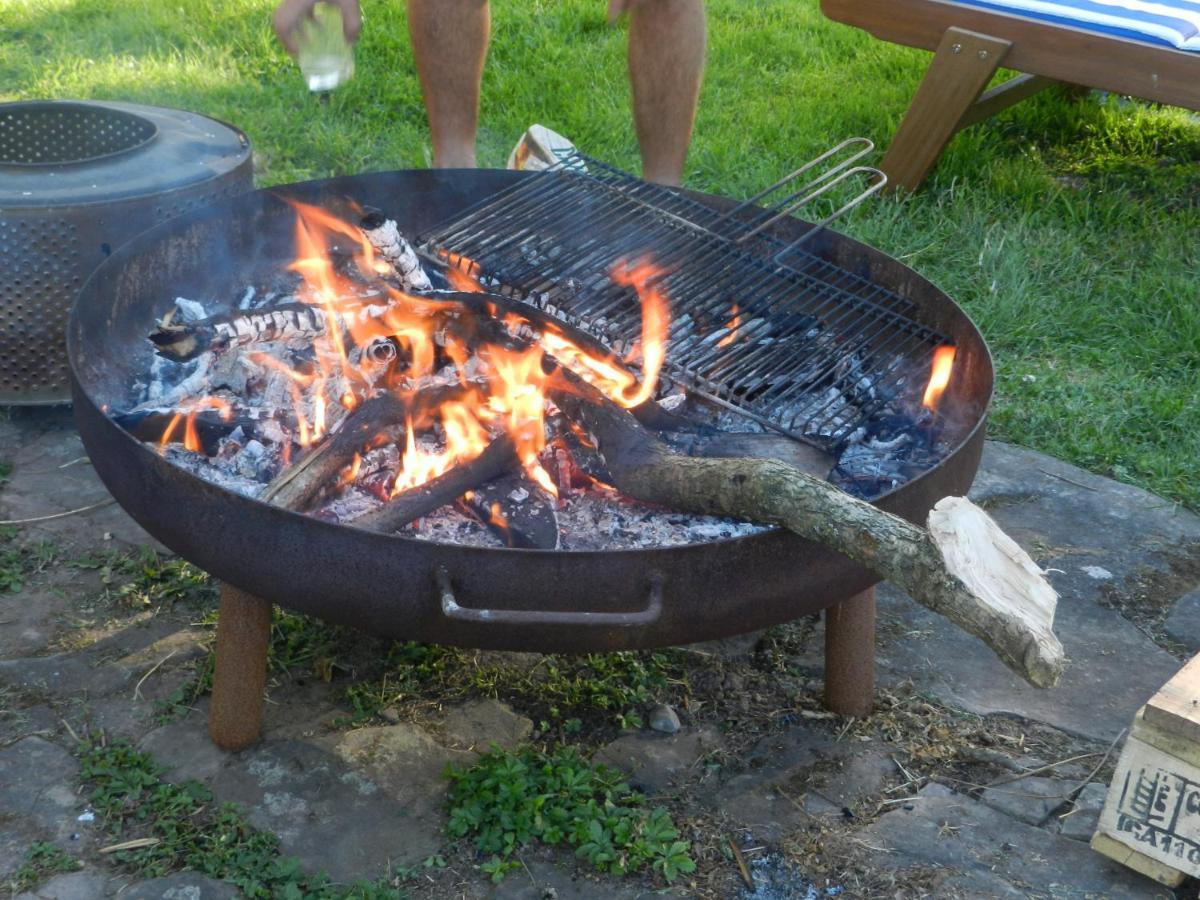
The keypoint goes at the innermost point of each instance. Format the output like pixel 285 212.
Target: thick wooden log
pixel 984 583
pixel 299 485
pixel 498 458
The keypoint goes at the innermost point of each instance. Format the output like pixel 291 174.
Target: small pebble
pixel 664 719
pixel 390 714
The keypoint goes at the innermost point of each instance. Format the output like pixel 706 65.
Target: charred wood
pixel 298 486
pixel 498 458
pixel 516 511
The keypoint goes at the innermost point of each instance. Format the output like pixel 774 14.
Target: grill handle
pixel 451 609
pixel 824 173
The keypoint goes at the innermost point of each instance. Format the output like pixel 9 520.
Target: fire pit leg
pixel 243 634
pixel 850 655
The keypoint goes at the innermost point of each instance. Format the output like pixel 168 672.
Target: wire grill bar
pixel 805 347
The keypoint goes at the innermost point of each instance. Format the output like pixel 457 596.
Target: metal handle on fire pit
pixel 817 185
pixel 647 616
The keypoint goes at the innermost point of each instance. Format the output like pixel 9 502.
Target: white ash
pixel 593 520
pixel 190 310
pixel 202 467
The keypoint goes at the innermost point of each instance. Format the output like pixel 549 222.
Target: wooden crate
pixel 1151 818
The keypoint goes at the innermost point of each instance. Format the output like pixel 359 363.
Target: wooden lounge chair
pixel 970 43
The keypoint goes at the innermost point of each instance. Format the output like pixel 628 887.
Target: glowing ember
pixel 943 364
pixel 735 325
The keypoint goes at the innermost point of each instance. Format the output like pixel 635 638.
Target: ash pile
pixel 371 386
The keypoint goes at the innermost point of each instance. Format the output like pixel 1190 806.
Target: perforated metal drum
pixel 77 180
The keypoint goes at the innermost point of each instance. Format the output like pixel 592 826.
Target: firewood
pixel 515 510
pixel 962 567
pixel 298 486
pixel 385 237
pixel 736 445
pixel 499 457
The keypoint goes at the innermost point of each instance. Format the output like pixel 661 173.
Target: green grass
pixel 1066 226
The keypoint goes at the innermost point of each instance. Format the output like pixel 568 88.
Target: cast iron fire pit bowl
pixel 397 587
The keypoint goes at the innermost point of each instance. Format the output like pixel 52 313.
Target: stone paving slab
pixel 351 802
pixel 54 477
pixel 988 854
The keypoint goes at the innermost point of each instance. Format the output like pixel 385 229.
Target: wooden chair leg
pixel 850 655
pixel 962 66
pixel 235 714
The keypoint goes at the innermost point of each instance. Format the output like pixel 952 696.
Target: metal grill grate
pixel 817 349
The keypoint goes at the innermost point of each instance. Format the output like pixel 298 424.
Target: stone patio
pixel 787 785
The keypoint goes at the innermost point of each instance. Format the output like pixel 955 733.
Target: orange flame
pixel 943 364
pixel 644 277
pixel 436 341
pixel 733 327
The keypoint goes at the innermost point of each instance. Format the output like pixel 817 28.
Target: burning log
pixel 296 487
pixel 183 340
pixel 499 457
pixel 386 238
pixel 962 567
pixel 516 511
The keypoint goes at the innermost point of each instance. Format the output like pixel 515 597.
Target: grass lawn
pixel 1068 227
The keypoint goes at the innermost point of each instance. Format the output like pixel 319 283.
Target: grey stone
pixel 63 674
pixel 480 723
pixel 37 784
pixel 1080 823
pixel 181 886
pixel 657 763
pixel 1029 800
pixel 1183 624
pixel 987 854
pixel 40 443
pixel 71 886
pixel 333 815
pixel 663 718
pixel 1112 667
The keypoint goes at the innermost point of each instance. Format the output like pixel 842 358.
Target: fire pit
pixel 498 597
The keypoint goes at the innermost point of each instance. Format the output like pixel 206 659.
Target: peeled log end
pixel 1008 586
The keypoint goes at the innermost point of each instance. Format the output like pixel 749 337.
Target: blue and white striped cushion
pixel 1175 23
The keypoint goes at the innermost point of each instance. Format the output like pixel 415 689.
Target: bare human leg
pixel 450 40
pixel 666 62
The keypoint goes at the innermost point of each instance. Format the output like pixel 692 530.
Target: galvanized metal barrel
pixel 77 180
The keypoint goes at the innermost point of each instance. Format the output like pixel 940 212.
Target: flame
pixel 518 398
pixel 644 277
pixel 187 414
pixel 733 326
pixel 943 364
pixel 437 342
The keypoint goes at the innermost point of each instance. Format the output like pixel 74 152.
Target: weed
pixel 41 859
pixel 611 685
pixel 157 580
pixel 509 799
pixel 6 469
pixel 18 561
pixel 124 786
